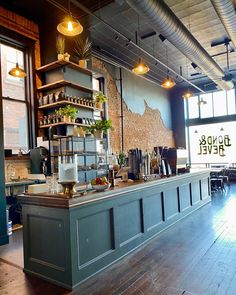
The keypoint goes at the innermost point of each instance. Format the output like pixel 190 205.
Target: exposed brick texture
pixel 140 131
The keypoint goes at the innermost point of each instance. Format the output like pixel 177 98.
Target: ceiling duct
pixel 161 18
pixel 226 12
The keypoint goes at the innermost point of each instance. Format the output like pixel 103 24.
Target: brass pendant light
pixel 141 68
pixel 17 72
pixel 168 83
pixel 69 26
pixel 188 94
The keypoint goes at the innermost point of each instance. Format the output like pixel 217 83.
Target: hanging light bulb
pixel 17 72
pixel 168 83
pixel 70 27
pixel 141 68
pixel 187 94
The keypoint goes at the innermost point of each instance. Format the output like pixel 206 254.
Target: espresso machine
pixel 40 161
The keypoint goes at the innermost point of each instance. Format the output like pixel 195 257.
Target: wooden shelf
pixel 61 83
pixel 17 158
pixel 64 123
pixel 60 63
pixel 63 102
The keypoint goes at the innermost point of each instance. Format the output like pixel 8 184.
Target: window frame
pixel 208 120
pixel 15 40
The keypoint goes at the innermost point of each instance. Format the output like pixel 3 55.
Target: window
pixel 206 110
pixel 15 106
pixel 193 108
pixel 231 101
pixel 219 103
pixel 96 84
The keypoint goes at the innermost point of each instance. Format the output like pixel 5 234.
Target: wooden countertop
pixel 63 201
pixel 19 182
pixel 17 158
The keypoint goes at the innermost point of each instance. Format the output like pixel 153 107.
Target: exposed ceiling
pixel 198 16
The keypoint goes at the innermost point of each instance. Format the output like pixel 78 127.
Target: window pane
pixel 206 110
pixel 219 103
pixel 213 143
pixel 185 109
pixel 15 125
pixel 96 85
pixel 231 101
pixel 12 86
pixel 193 109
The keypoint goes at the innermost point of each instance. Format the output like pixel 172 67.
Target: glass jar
pixel 67 167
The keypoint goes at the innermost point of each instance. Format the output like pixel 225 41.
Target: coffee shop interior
pixel 117 147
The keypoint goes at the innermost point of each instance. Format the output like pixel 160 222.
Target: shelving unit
pixel 59 63
pixel 61 83
pixel 91 155
pixel 71 80
pixel 64 123
pixel 66 102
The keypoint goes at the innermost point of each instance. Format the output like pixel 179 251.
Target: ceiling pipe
pixel 226 12
pixel 162 19
pixel 82 7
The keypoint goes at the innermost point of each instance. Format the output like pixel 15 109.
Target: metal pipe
pixel 121 112
pixel 226 12
pixel 162 19
pixel 82 7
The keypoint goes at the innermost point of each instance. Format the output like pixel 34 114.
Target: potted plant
pixel 82 51
pixel 100 127
pixel 60 45
pixel 99 99
pixel 68 113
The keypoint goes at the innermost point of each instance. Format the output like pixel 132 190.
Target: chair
pixel 224 176
pixel 216 181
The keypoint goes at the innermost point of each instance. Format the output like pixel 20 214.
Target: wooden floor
pixel 195 256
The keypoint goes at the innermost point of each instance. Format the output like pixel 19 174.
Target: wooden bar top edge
pixel 59 201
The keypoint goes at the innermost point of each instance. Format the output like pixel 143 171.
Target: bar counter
pixel 67 240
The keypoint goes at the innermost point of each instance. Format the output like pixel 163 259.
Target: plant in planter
pixel 121 159
pixel 99 99
pixel 82 51
pixel 60 45
pixel 100 127
pixel 68 113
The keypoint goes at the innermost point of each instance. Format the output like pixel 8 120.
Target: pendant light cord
pixel 69 7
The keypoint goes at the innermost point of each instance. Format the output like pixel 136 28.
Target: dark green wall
pixel 177 115
pixel 3 228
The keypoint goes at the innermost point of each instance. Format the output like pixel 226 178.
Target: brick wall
pixel 17 169
pixel 140 131
pixel 25 27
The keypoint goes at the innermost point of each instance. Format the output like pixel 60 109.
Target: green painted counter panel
pixel 67 241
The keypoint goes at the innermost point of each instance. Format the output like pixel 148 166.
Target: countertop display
pixel 99 228
pixel 59 200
